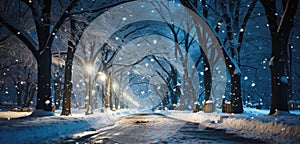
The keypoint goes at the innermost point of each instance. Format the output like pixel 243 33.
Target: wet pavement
pixel 156 128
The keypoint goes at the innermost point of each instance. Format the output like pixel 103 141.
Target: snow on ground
pixel 253 123
pixel 37 129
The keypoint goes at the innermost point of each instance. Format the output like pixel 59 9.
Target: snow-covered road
pixel 156 128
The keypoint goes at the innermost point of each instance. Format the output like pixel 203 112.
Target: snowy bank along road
pixel 156 128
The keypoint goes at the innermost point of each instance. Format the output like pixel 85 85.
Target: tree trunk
pixel 177 94
pixel 117 101
pixel 111 99
pixel 279 101
pixel 31 95
pixel 207 79
pixel 280 36
pixel 44 98
pixel 66 110
pixel 236 94
pixel 56 93
pixel 107 92
pixel 107 86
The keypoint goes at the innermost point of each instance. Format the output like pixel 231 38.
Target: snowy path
pixel 156 128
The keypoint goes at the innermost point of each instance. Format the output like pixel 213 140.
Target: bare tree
pixel 280 33
pixel 42 19
pixel 19 66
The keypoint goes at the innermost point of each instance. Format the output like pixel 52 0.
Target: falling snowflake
pixel 154 41
pixel 47 102
pixel 202 73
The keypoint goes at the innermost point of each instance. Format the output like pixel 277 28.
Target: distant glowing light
pixel 102 76
pixel 89 68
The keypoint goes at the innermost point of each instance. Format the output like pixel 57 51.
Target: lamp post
pixel 89 69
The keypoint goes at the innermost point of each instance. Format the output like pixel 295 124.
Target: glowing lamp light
pixel 89 68
pixel 102 76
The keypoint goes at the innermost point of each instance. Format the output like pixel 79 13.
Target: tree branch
pixel 21 34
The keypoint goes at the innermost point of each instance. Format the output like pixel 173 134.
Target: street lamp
pixel 89 70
